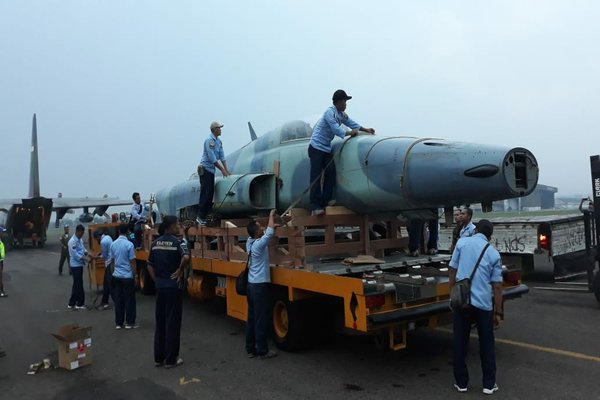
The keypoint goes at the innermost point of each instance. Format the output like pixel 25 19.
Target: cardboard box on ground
pixel 74 346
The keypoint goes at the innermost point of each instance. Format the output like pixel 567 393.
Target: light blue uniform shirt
pixel 258 270
pixel 121 252
pixel 77 251
pixel 329 126
pixel 463 260
pixel 105 244
pixel 213 151
pixel 467 231
pixel 139 211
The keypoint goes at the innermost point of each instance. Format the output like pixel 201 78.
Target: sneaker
pixel 119 327
pixel 432 252
pixel 490 391
pixel 251 355
pixel 200 222
pixel 317 212
pixel 158 364
pixel 331 203
pixel 80 307
pixel 105 307
pixel 269 354
pixel 460 389
pixel 132 326
pixel 177 363
pixel 2 294
pixel 70 307
pixel 413 253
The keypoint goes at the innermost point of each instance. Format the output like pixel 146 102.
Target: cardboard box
pixel 74 346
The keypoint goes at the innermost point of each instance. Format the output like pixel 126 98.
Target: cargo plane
pixel 26 220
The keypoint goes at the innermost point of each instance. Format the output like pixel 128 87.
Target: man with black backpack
pixel 473 259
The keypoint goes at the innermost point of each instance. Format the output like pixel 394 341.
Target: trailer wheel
pixel 145 281
pixel 596 285
pixel 289 323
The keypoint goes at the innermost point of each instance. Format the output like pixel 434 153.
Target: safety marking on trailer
pixel 530 346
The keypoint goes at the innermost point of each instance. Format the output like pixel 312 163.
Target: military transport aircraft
pixel 27 219
pixel 374 174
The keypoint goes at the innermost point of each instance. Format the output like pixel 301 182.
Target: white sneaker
pixel 80 307
pixel 134 326
pixel 490 391
pixel 461 390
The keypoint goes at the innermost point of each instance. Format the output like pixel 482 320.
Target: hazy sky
pixel 124 91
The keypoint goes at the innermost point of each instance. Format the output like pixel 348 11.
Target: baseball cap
pixel 215 124
pixel 340 95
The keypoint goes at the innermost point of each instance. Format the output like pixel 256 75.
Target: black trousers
pixel 319 197
pixel 485 330
pixel 124 298
pixel 64 256
pixel 207 191
pixel 168 314
pixel 415 234
pixel 257 326
pixel 77 293
pixel 106 285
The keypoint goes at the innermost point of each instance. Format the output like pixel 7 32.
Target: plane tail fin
pixel 34 168
pixel 252 133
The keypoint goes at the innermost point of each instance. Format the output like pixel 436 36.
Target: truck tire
pixel 290 322
pixel 145 280
pixel 596 285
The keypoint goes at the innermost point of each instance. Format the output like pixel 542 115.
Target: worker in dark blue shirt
pixel 331 124
pixel 168 259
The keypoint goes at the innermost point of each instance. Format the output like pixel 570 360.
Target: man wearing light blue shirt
pixel 213 157
pixel 468 228
pixel 259 282
pixel 330 125
pixel 105 243
pixel 486 284
pixel 122 256
pixel 78 255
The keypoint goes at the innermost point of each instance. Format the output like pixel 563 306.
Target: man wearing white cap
pixel 213 158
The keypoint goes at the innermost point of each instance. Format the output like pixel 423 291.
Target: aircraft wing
pixel 83 202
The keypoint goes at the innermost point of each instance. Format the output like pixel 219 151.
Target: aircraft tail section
pixel 252 133
pixel 34 168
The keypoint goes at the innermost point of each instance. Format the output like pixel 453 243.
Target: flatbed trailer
pixel 328 273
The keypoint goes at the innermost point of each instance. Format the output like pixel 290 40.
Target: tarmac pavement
pixel 548 348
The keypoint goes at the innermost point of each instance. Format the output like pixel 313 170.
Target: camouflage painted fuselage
pixel 374 174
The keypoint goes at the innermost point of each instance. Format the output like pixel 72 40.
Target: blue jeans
pixel 318 161
pixel 77 293
pixel 123 291
pixel 168 313
pixel 460 346
pixel 257 326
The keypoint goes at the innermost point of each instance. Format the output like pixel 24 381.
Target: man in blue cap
pixel 330 125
